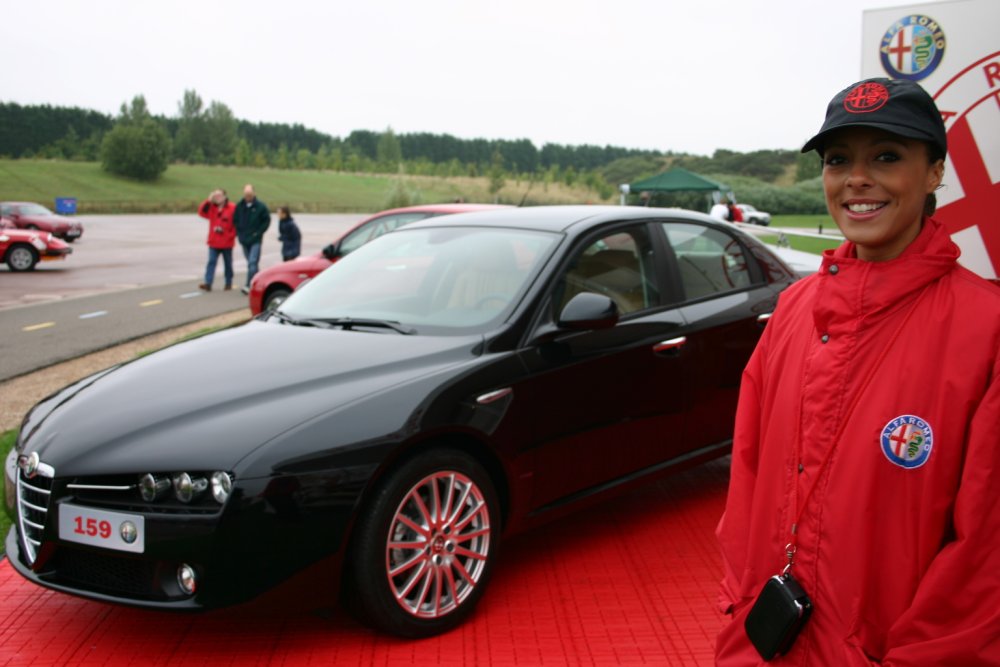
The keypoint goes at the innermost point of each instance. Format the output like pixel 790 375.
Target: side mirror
pixel 587 311
pixel 332 251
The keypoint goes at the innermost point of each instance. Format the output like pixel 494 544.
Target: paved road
pixel 128 276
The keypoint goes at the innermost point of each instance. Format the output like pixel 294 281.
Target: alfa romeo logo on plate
pixel 912 47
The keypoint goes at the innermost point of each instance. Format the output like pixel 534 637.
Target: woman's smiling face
pixel 876 184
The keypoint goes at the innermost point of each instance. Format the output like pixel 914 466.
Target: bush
pixel 139 150
pixel 400 195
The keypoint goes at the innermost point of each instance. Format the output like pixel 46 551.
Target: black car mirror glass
pixel 587 311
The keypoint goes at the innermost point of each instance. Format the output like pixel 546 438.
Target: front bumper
pixel 258 540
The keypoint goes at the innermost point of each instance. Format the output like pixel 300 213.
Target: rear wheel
pixel 425 545
pixel 21 258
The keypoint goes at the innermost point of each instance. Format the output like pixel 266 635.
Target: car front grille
pixel 33 497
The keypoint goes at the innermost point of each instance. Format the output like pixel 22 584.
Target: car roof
pixel 566 218
pixel 439 208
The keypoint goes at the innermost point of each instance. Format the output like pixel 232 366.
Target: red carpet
pixel 630 582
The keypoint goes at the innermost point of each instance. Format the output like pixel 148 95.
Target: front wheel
pixel 275 298
pixel 22 258
pixel 425 545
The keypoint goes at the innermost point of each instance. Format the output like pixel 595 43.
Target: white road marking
pixel 96 313
pixel 190 295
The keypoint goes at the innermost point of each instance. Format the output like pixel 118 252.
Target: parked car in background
pixel 28 215
pixel 439 388
pixel 273 285
pixel 22 249
pixel 754 217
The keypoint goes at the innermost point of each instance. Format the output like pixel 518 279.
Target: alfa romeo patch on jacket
pixel 907 441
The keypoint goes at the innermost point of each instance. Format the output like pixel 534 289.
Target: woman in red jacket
pixel 218 210
pixel 866 456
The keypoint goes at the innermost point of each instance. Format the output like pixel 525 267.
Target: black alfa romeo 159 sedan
pixel 445 385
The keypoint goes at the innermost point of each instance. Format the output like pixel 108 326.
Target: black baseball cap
pixel 894 105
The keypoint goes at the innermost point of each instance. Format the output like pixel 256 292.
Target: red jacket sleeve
pixel 955 615
pixel 205 210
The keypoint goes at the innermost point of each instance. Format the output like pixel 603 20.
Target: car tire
pixel 21 257
pixel 275 297
pixel 424 546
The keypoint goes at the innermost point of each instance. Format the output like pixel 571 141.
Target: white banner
pixel 953 50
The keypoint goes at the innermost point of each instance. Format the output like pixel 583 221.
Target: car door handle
pixel 763 318
pixel 670 345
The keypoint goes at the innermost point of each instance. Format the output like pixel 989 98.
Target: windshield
pixel 33 209
pixel 437 280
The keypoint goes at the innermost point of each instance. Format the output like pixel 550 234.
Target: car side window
pixel 376 228
pixel 5 210
pixel 618 265
pixel 709 260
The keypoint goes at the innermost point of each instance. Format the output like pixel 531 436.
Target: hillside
pixel 182 187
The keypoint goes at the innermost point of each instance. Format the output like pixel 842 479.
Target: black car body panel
pixel 307 419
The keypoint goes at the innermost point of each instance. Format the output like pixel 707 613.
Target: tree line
pixel 138 144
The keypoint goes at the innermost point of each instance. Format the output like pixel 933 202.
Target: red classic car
pixel 21 249
pixel 28 215
pixel 273 285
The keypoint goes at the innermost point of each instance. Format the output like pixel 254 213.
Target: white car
pixel 753 216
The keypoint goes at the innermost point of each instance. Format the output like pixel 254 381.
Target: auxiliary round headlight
pixel 186 488
pixel 222 486
pixel 183 488
pixel 152 488
pixel 187 579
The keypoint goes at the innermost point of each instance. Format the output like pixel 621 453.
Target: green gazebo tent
pixel 679 180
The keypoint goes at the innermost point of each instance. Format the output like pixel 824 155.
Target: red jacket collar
pixel 857 293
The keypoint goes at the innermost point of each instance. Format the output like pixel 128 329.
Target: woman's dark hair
pixel 934 153
pixel 287 211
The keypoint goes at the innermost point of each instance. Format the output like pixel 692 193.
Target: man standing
pixel 251 219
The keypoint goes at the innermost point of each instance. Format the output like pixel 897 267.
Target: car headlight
pixel 222 487
pixel 152 488
pixel 187 488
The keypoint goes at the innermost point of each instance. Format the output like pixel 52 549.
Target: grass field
pixel 7 440
pixel 183 187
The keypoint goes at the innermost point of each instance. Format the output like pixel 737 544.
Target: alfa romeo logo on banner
pixel 912 47
pixel 969 204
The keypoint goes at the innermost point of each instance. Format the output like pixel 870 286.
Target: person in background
pixel 288 234
pixel 735 214
pixel 218 210
pixel 720 211
pixel 252 219
pixel 866 449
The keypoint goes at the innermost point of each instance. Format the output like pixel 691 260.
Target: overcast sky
pixel 688 76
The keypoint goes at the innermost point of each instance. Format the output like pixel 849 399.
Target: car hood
pixel 208 403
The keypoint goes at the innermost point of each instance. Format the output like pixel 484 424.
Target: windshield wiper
pixel 345 322
pixel 291 320
pixel 351 322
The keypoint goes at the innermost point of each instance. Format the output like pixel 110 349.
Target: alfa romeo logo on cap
pixel 866 97
pixel 907 441
pixel 912 47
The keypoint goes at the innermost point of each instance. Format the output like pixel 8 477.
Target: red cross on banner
pixel 980 207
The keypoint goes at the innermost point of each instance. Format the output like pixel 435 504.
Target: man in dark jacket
pixel 251 219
